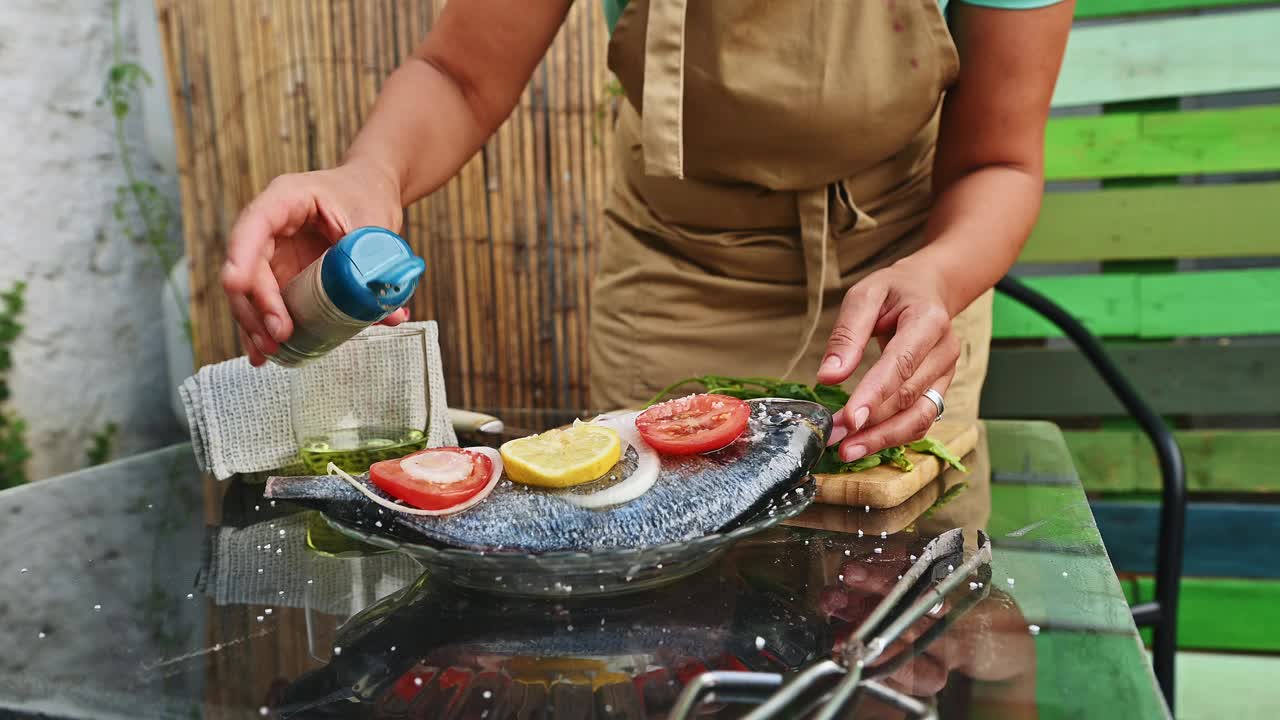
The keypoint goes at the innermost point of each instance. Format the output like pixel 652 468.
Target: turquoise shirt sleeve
pixel 1006 4
pixel 613 11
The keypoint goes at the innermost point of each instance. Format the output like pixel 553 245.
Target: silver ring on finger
pixel 935 397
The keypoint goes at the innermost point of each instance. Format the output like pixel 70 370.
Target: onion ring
pixel 638 482
pixel 488 452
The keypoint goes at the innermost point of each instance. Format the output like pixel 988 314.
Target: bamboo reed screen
pixel 264 87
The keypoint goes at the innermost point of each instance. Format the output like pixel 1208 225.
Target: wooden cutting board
pixel 887 486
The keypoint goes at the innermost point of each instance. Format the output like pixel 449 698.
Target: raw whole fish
pixel 693 496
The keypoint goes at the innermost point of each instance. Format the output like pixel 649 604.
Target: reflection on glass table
pixel 129 597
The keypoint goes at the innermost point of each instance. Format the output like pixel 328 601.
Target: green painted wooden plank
pixel 1170 57
pixel 1220 613
pixel 1106 304
pixel 1163 143
pixel 1156 305
pixel 1241 378
pixel 1245 302
pixel 1122 461
pixel 1112 8
pixel 1187 221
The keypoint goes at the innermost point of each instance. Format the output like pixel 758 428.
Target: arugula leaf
pixel 829 463
pixel 754 388
pixel 938 450
pixel 832 396
pixel 897 457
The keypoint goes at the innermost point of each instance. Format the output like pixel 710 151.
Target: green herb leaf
pixel 897 457
pixel 938 450
pixel 831 396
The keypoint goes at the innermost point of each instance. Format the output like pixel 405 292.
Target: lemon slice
pixel 563 457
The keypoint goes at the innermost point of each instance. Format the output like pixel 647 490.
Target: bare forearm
pixel 988 174
pixel 977 228
pixel 421 131
pixel 461 83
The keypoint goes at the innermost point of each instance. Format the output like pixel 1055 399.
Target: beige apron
pixel 770 155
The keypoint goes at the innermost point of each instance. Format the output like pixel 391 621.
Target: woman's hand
pixel 288 226
pixel 902 306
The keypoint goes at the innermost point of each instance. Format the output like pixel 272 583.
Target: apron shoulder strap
pixel 662 123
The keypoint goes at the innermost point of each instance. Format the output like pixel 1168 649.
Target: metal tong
pixel 921 590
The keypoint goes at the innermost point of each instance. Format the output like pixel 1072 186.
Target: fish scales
pixel 693 496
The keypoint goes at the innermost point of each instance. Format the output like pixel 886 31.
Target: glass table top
pixel 140 590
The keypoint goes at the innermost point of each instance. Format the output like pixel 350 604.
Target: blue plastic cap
pixel 370 273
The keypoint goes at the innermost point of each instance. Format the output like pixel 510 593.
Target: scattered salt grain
pixel 337 650
pixel 879 550
pixel 260 618
pixel 913 557
pixel 951 568
pixel 1010 581
pixel 759 643
pixel 973 586
pixel 1033 629
pixel 263 711
pixel 859 533
pixel 41 636
pixel 190 595
pixel 256 508
pixel 23 571
pixel 97 608
pixel 1064 573
pixel 377 523
pixel 281 533
pixel 417 681
pixel 486 694
pixel 846 552
pixel 840 578
pixel 867 509
pixel 267 611
pixel 259 571
pixel 884 534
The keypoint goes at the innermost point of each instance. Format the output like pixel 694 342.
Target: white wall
pixel 93 348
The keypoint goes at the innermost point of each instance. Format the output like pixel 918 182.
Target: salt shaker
pixel 364 277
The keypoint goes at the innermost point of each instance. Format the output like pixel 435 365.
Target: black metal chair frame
pixel 1162 614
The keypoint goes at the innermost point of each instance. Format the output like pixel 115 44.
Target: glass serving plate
pixel 607 571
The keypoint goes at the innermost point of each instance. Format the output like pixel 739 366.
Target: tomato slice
pixel 392 477
pixel 693 424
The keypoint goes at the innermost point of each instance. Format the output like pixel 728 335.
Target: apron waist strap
pixel 821 266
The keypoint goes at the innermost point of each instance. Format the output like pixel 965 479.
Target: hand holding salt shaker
pixel 364 277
